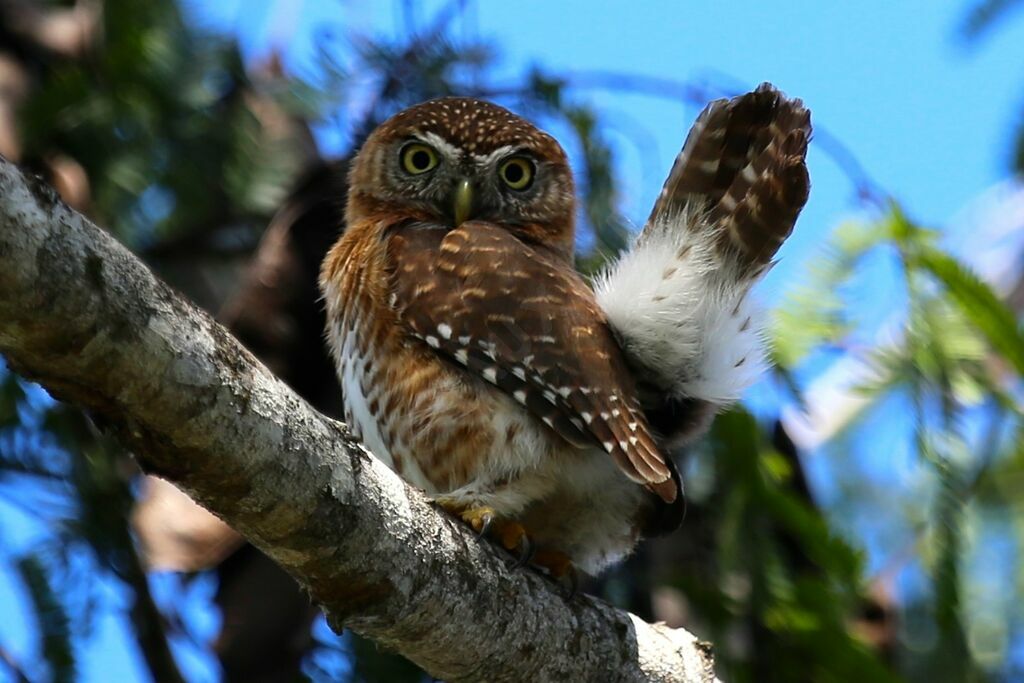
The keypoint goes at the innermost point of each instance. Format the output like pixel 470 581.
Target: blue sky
pixel 928 117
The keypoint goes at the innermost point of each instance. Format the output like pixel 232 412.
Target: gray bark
pixel 86 319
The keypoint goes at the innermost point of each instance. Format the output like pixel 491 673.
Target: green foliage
pixel 782 585
pixel 53 623
pixel 164 120
pixel 957 354
pixel 598 185
pixel 978 304
pixel 814 313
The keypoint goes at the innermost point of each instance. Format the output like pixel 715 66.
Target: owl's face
pixel 453 160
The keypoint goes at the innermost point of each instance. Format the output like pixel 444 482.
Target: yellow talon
pixel 479 518
pixel 485 520
pixel 510 534
pixel 560 568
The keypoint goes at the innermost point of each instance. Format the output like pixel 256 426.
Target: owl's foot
pixel 485 521
pixel 512 536
pixel 559 567
pixel 557 564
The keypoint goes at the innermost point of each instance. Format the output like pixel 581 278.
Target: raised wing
pixel 678 300
pixel 743 169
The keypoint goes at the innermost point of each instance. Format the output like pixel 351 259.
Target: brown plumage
pixel 743 166
pixel 517 317
pixel 475 360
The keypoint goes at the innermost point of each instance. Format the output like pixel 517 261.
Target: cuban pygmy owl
pixel 481 367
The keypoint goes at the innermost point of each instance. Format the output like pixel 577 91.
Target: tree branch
pixel 85 318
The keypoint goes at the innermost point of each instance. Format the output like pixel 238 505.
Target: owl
pixel 482 368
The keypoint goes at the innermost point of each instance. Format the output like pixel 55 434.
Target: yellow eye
pixel 517 173
pixel 417 158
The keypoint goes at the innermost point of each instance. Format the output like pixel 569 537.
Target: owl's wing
pixel 518 318
pixel 743 170
pixel 678 300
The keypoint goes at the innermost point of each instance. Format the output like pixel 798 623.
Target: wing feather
pixel 521 319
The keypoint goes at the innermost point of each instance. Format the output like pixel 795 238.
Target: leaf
pixel 978 303
pixel 814 312
pixel 54 625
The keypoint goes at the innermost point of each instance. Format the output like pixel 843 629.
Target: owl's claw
pixel 559 567
pixel 512 536
pixel 486 522
pixel 523 551
pixel 479 518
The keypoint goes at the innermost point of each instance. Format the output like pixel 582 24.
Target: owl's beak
pixel 462 201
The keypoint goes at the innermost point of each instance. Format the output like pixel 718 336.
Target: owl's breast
pixel 361 398
pixel 437 427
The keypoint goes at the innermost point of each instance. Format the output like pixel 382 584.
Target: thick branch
pixel 85 318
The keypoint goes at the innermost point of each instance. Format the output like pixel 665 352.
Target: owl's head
pixel 458 159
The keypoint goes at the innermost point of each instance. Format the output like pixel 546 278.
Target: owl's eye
pixel 418 158
pixel 517 173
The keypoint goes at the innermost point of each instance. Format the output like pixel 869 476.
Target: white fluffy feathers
pixel 684 313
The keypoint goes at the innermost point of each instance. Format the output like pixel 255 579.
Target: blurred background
pixel 859 517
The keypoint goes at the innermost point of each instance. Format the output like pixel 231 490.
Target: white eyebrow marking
pixel 441 145
pixel 487 159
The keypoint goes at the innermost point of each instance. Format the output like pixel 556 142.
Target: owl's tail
pixel 678 300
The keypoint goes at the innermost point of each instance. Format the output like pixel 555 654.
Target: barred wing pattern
pixel 520 318
pixel 743 167
pixel 679 301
